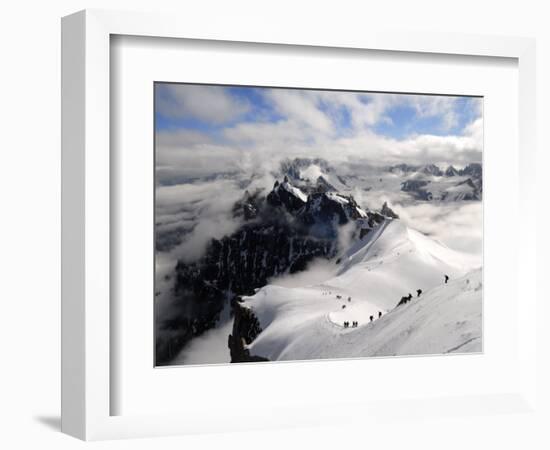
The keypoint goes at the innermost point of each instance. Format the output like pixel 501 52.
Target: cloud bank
pixel 212 142
pixel 205 130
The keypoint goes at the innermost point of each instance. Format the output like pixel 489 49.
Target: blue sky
pixel 259 110
pixel 179 107
pixel 405 120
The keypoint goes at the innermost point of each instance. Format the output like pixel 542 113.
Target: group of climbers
pixel 408 298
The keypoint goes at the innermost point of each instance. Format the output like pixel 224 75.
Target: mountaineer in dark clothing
pixel 371 318
pixel 418 292
pixel 404 300
pixel 446 278
pixel 379 314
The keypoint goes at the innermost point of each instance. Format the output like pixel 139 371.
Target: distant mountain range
pixel 473 170
pixel 430 182
pixel 422 182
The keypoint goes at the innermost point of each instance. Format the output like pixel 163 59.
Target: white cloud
pixel 300 107
pixel 180 138
pixel 281 133
pixel 459 226
pixel 474 131
pixel 259 147
pixel 317 271
pixel 319 110
pixel 436 106
pixel 365 110
pixel 182 155
pixel 207 206
pixel 213 104
pixel 309 127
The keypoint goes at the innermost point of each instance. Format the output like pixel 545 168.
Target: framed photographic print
pixel 291 216
pixel 298 224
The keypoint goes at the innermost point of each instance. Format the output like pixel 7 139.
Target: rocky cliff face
pixel 388 212
pixel 245 329
pixel 417 188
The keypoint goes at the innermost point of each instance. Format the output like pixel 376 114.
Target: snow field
pixel 307 322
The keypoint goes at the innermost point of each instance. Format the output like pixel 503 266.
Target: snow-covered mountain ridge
pixel 308 322
pixel 422 182
pixel 445 319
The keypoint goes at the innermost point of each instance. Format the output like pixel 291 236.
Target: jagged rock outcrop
pixel 249 206
pixel 325 212
pixel 404 168
pixel 245 329
pixel 465 190
pixel 388 212
pixel 431 169
pixel 472 170
pixel 287 195
pixel 323 185
pixel 451 172
pixel 292 167
pixel 417 189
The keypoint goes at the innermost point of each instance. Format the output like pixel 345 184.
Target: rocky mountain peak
pixel 451 172
pixel 388 212
pixel 286 195
pixel 473 170
pixel 293 167
pixel 432 169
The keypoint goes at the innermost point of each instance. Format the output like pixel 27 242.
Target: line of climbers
pixel 408 298
pixel 403 301
pixel 355 323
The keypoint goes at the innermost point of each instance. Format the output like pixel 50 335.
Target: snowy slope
pixel 307 322
pixel 396 261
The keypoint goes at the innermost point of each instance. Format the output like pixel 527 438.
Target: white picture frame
pixel 86 284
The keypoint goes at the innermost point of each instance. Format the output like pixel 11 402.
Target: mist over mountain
pixel 210 200
pixel 309 214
